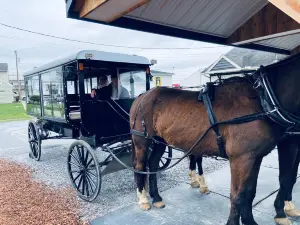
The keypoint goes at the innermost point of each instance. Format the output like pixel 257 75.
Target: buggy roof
pixel 95 56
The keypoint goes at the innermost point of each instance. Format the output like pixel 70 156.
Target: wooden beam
pixel 89 6
pixel 289 7
pixel 268 21
pixel 133 7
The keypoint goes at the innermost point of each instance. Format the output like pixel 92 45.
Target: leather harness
pixel 207 95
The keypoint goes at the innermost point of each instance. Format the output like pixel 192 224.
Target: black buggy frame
pixel 95 124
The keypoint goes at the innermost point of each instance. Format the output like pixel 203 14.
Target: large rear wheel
pixel 165 159
pixel 34 140
pixel 84 170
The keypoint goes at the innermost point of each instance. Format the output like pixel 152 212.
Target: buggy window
pixel 53 95
pixel 33 95
pixel 134 82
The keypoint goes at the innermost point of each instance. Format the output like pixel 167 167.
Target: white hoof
pixel 283 221
pixel 194 181
pixel 143 200
pixel 203 185
pixel 290 209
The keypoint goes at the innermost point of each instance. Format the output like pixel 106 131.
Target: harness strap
pixel 213 120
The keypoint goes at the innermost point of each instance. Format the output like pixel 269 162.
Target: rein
pixel 271 109
pixel 238 120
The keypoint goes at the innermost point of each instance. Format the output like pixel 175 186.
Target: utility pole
pixel 16 53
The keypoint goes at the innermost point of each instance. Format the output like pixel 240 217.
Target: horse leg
pixel 244 173
pixel 139 150
pixel 290 209
pixel 288 167
pixel 157 153
pixel 192 172
pixel 201 179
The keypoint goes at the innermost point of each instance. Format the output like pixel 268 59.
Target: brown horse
pixel 176 117
pixel 289 159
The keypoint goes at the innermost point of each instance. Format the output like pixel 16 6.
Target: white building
pixel 6 89
pixel 236 60
pixel 13 80
pixel 161 79
pixel 196 79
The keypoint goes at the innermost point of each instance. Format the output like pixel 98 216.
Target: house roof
pixel 253 58
pixel 238 58
pixel 162 73
pixel 3 67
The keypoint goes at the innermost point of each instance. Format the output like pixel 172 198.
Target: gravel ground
pixel 118 189
pixel 20 204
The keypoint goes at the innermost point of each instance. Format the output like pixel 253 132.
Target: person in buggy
pixel 113 90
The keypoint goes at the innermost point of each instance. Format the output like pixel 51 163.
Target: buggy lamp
pixel 149 73
pixel 80 66
pixel 108 10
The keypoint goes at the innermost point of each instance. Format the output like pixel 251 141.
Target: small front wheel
pixel 84 170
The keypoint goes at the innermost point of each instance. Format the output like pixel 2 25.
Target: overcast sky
pixel 49 17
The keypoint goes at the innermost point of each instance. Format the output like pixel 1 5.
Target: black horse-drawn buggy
pixel 58 96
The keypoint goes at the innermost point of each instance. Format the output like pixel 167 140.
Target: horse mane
pixel 235 79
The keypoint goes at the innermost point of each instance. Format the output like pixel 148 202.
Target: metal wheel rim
pixel 84 171
pixel 34 143
pixel 164 163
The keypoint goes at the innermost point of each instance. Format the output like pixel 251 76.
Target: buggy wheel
pixel 84 170
pixel 165 159
pixel 34 140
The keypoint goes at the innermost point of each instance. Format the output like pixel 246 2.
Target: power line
pixel 101 44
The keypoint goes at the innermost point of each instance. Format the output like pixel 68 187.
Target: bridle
pixel 270 102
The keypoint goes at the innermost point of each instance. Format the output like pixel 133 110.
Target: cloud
pixel 50 17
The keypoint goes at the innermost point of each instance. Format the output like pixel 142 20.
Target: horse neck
pixel 285 80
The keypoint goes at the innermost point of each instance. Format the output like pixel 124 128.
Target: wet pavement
pixel 185 205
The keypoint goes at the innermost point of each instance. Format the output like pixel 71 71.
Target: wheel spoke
pixel 79 154
pixel 78 166
pixel 87 186
pixel 90 184
pixel 86 157
pixel 75 171
pixel 77 177
pixel 91 174
pixel 76 159
pixel 91 181
pixel 88 163
pixel 76 155
pixel 82 155
pixel 83 183
pixel 79 183
pixel 162 162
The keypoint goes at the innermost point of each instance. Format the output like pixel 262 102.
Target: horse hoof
pixel 195 184
pixel 159 205
pixel 204 190
pixel 145 206
pixel 291 210
pixel 283 221
pixel 292 213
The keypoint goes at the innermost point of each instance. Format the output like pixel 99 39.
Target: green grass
pixel 12 111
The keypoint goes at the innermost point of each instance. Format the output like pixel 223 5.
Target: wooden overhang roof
pixel 268 25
